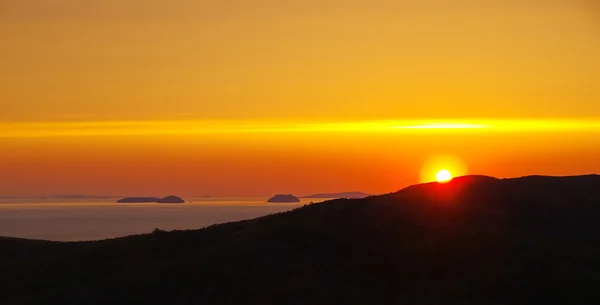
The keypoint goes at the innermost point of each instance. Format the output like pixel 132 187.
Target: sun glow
pixel 443 176
pixel 442 168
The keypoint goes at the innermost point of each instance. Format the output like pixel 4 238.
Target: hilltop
pixel 474 240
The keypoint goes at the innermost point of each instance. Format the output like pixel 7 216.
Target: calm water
pixel 92 219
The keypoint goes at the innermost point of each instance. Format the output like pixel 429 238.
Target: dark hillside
pixel 475 240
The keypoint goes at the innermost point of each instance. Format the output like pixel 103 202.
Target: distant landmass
pixel 171 199
pixel 350 195
pixel 61 196
pixel 138 199
pixel 473 240
pixel 168 199
pixel 284 198
pixel 78 196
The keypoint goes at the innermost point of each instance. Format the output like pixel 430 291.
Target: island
pixel 171 199
pixel 284 198
pixel 168 199
pixel 138 200
pixel 350 195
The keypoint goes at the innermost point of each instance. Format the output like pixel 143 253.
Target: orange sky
pixel 150 97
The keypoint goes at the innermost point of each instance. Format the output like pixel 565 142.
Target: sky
pixel 252 98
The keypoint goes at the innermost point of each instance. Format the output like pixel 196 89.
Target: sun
pixel 442 168
pixel 443 176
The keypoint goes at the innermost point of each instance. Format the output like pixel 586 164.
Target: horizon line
pixel 85 196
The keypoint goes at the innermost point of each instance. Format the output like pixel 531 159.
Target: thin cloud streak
pixel 141 128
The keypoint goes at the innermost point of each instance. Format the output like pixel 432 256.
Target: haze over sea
pixel 101 218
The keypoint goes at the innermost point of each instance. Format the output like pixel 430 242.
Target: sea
pixel 80 219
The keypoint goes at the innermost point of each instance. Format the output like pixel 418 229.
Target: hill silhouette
pixel 474 240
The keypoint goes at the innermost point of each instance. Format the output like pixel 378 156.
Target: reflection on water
pixel 92 219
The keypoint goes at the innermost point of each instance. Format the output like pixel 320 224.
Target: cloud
pixel 140 128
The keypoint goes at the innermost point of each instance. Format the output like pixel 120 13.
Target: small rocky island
pixel 171 199
pixel 284 198
pixel 168 199
pixel 138 199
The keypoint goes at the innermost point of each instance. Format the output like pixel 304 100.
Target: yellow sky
pixel 332 59
pixel 87 89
